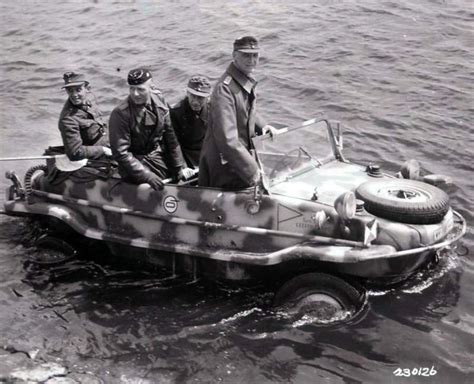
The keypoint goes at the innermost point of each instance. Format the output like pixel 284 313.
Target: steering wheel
pixel 285 162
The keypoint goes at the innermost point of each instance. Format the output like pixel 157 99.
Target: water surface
pixel 399 75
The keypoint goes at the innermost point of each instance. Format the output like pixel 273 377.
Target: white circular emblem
pixel 170 204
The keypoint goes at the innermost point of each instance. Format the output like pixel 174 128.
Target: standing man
pixel 227 160
pixel 189 118
pixel 142 138
pixel 83 131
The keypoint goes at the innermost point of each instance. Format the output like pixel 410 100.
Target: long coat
pixel 83 131
pixel 190 128
pixel 226 158
pixel 141 149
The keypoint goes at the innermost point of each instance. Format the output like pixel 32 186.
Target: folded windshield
pixel 294 151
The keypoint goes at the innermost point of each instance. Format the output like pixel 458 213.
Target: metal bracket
pixel 18 187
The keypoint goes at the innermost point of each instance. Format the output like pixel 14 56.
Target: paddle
pixel 62 161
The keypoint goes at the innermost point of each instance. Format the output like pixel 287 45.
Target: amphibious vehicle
pixel 318 224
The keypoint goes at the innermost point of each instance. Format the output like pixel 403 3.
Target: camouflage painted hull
pixel 236 233
pixel 302 217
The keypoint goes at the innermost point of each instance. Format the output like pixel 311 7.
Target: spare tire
pixel 405 201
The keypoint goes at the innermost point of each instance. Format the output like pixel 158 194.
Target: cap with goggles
pixel 138 76
pixel 199 86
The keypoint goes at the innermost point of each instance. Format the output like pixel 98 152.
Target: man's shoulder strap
pixel 232 84
pixel 159 101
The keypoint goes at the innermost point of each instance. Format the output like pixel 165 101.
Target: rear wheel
pixel 52 251
pixel 324 297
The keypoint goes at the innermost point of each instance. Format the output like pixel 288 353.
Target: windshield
pixel 295 151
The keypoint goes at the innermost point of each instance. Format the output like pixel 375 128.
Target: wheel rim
pixel 406 193
pixel 321 298
pixel 320 306
pixel 51 256
pixel 52 251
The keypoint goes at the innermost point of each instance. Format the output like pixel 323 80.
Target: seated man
pixel 189 118
pixel 83 131
pixel 142 138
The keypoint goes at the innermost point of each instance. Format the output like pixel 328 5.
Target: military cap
pixel 248 44
pixel 72 79
pixel 138 76
pixel 199 86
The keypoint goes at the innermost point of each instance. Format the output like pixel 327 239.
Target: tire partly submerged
pixel 322 296
pixel 52 251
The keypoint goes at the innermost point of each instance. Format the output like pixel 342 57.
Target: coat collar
pixel 159 102
pixel 242 79
pixel 155 100
pixel 86 107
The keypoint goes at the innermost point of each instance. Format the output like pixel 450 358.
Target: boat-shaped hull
pixel 220 230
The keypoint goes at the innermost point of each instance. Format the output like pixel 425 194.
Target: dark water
pixel 399 75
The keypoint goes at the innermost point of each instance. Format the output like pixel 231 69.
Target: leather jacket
pixel 133 142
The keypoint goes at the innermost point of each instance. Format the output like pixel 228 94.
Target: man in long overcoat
pixel 227 160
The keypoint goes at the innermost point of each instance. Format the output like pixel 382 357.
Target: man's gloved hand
pixel 107 151
pixel 186 173
pixel 155 182
pixel 269 129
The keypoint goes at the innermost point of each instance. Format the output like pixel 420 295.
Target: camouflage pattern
pixel 251 227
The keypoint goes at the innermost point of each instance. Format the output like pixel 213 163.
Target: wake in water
pixel 447 261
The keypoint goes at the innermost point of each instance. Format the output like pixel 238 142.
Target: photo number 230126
pixel 407 372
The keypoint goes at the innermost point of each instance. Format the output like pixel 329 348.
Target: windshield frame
pixel 313 163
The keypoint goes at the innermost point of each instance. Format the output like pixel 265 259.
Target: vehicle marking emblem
pixel 285 214
pixel 170 204
pixel 370 232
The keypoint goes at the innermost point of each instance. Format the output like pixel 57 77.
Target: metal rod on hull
pixel 206 224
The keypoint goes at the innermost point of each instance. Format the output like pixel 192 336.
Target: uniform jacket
pixel 190 129
pixel 132 142
pixel 226 159
pixel 83 131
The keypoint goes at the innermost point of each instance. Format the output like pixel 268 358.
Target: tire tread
pixel 429 212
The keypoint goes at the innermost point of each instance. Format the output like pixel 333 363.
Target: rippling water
pixel 399 75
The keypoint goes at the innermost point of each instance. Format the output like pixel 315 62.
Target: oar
pixel 62 161
pixel 29 158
